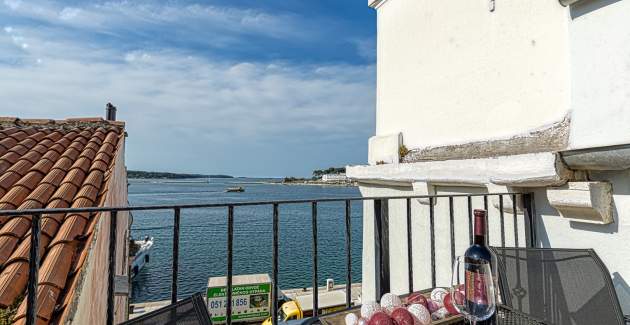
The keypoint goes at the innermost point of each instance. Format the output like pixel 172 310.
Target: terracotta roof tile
pixel 51 155
pixel 42 193
pixel 59 259
pixel 88 192
pixel 66 192
pixel 71 228
pixel 82 163
pixel 54 177
pixel 63 163
pixel 56 164
pixel 15 196
pixel 30 180
pixel 12 279
pixel 47 296
pixel 7 244
pixel 10 157
pixel 74 176
pixel 8 179
pixel 21 167
pixel 8 143
pixel 99 165
pixel 43 165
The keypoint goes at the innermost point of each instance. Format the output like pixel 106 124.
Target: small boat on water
pixel 235 189
pixel 141 257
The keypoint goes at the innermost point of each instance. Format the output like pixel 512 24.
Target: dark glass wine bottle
pixel 479 253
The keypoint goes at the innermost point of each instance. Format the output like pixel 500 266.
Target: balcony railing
pixel 381 239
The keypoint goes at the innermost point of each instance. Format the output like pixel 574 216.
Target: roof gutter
pixel 615 157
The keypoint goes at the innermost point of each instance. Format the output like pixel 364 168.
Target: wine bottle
pixel 476 254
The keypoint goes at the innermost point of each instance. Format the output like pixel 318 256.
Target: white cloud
pixel 8 29
pixel 69 13
pixel 181 101
pixel 13 4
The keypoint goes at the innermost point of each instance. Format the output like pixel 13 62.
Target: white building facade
pixel 501 96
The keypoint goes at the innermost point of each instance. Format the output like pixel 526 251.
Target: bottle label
pixel 476 288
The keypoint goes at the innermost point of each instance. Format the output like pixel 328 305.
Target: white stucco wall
pixel 452 71
pixel 600 68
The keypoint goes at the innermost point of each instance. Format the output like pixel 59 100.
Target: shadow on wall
pixel 588 6
pixel 543 209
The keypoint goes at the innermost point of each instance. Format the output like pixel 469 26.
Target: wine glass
pixel 472 289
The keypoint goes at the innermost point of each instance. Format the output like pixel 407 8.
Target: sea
pixel 203 234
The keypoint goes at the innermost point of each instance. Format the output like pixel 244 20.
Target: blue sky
pixel 243 87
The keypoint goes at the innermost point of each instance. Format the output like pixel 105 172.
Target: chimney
pixel 110 112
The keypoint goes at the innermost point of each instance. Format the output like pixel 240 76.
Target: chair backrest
pixel 558 286
pixel 189 311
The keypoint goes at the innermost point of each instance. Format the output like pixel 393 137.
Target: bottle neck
pixel 480 228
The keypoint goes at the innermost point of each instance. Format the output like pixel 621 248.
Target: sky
pixel 242 87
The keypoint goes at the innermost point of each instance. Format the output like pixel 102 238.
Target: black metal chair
pixel 558 286
pixel 189 311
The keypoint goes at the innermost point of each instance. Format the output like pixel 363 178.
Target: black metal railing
pixel 381 239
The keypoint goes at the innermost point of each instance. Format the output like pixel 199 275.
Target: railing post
pixel 230 239
pixel 381 241
pixel 112 267
pixel 432 235
pixel 315 282
pixel 175 266
pixel 451 214
pixel 514 211
pixel 530 209
pixel 501 215
pixel 274 271
pixel 33 267
pixel 470 222
pixel 409 246
pixel 348 256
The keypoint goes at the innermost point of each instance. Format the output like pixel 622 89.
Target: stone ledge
pixel 526 170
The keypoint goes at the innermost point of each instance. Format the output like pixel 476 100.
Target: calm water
pixel 203 234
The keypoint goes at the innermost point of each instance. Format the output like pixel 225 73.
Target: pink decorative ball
pixel 370 308
pixel 402 316
pixel 433 306
pixel 362 321
pixel 389 301
pixel 352 319
pixel 438 294
pixel 420 313
pixel 380 318
pixel 417 298
pixel 440 314
pixel 448 304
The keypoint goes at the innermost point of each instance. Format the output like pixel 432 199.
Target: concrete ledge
pixel 589 202
pixel 527 170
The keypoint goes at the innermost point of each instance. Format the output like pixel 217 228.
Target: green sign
pixel 249 302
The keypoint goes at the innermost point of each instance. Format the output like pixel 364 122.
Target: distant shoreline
pixel 139 174
pixel 315 183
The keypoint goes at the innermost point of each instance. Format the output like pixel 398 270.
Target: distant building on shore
pixel 494 97
pixel 334 178
pixel 73 163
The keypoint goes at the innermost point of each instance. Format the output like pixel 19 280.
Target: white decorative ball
pixel 370 308
pixel 420 314
pixel 362 321
pixel 389 301
pixel 440 314
pixel 352 319
pixel 438 295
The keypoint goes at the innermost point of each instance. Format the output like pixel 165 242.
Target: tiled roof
pixel 50 164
